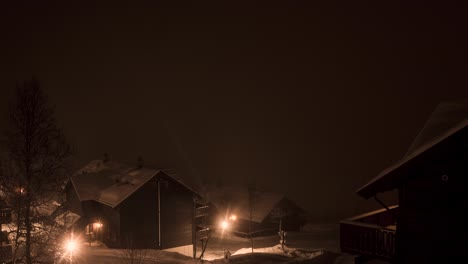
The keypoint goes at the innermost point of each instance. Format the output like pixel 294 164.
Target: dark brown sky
pixel 310 99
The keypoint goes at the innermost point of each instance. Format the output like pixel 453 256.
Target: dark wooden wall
pixel 96 212
pixel 134 223
pixel 432 224
pixel 176 214
pixel 138 218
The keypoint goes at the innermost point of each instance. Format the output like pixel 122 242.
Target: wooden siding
pixel 138 218
pixel 176 214
pixel 134 223
pixel 366 235
pixel 108 216
pixel 367 240
pixel 432 216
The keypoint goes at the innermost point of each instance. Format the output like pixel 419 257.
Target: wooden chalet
pixel 428 226
pixel 256 218
pixel 133 207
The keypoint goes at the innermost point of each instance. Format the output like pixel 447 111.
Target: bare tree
pixel 277 215
pixel 37 150
pixel 15 229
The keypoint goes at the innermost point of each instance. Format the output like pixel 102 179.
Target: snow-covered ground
pixel 317 245
pixel 103 255
pixel 317 237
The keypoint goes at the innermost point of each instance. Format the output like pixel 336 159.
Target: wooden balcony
pixel 367 240
pixel 370 235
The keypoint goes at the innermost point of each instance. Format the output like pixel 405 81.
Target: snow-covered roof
pixel 447 119
pixel 110 182
pixel 235 200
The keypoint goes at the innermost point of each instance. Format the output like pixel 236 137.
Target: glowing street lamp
pixel 71 246
pixel 224 225
pixel 232 217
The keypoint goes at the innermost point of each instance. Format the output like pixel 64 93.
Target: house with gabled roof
pixel 428 225
pixel 257 212
pixel 133 207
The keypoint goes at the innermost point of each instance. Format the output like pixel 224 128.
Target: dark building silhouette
pixel 431 180
pixel 256 212
pixel 133 207
pixel 5 245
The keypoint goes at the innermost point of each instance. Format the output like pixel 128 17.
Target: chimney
pixel 139 162
pixel 106 158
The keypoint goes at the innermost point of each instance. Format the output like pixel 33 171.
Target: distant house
pixel 258 215
pixel 5 244
pixel 133 207
pixel 429 225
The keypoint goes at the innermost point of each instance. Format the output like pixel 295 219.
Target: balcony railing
pixel 367 240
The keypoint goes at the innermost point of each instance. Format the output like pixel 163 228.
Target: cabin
pixel 253 213
pixel 6 252
pixel 429 223
pixel 133 207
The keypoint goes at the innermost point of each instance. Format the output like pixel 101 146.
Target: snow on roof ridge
pixel 235 198
pixel 446 115
pixel 417 152
pixel 109 182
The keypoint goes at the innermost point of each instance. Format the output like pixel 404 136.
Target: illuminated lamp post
pixel 224 225
pixel 71 246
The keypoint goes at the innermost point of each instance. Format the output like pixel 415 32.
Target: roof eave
pixel 76 191
pixel 391 177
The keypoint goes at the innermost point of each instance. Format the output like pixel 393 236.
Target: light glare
pixel 71 245
pixel 224 224
pixel 233 217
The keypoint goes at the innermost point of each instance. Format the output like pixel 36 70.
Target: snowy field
pixel 318 237
pixel 320 244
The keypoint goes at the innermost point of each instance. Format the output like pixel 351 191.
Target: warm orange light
pixel 97 225
pixel 224 224
pixel 71 245
pixel 233 217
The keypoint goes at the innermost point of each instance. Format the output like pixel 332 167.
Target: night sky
pixel 310 100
